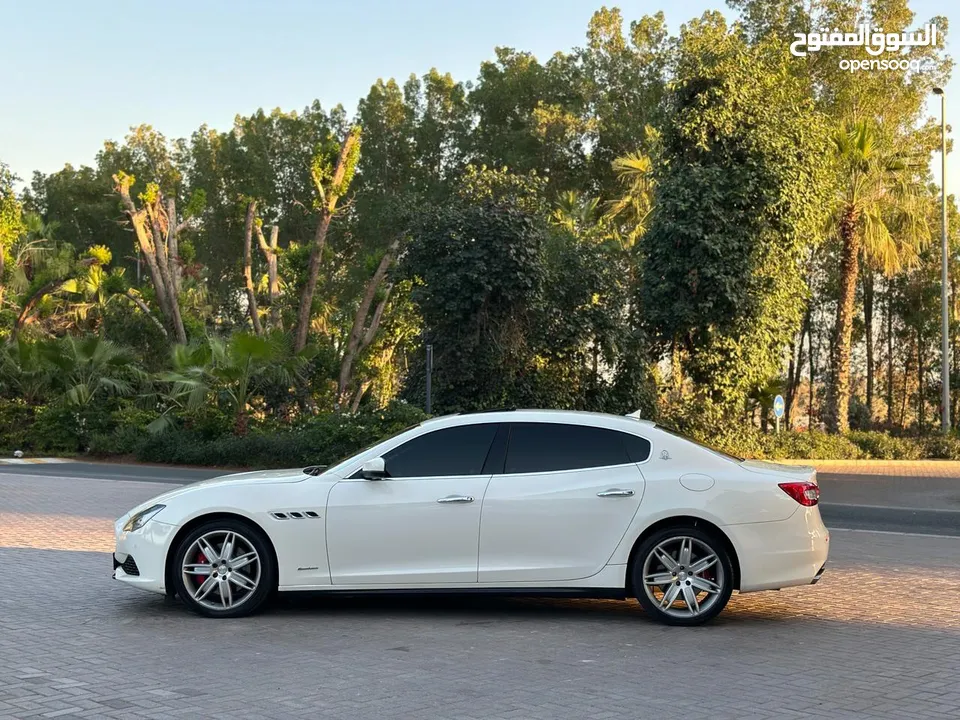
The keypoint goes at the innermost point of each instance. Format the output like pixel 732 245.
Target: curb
pixel 34 461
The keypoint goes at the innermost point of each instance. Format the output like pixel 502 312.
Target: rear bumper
pixel 781 554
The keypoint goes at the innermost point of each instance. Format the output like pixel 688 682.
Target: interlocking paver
pixel 879 637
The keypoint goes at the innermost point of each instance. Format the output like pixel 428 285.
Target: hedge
pixel 206 439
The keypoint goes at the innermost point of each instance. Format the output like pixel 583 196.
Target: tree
pixel 739 191
pixel 11 221
pixel 880 191
pixel 478 273
pixel 331 182
pixel 156 226
pixel 631 211
pixel 89 368
pixel 227 373
pixel 363 331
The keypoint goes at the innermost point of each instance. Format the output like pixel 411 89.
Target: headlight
pixel 140 519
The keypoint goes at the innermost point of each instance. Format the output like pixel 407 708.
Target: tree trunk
pixel 145 310
pixel 838 418
pixel 330 196
pixel 920 416
pixel 358 396
pixel 676 369
pixel 868 329
pixel 173 245
pixel 360 339
pixel 889 355
pixel 273 281
pixel 148 228
pixel 812 375
pixel 907 362
pixel 794 372
pixel 31 304
pixel 248 267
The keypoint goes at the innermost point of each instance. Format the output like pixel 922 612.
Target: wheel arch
pixel 189 526
pixel 683 521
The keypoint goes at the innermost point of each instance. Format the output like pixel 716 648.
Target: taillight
pixel 805 493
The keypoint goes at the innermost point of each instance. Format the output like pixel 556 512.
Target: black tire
pixel 719 574
pixel 250 601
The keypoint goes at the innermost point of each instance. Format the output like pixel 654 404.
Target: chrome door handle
pixel 455 499
pixel 615 492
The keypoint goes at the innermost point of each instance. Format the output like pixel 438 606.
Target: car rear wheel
pixel 682 576
pixel 224 568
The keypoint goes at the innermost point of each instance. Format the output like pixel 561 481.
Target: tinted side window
pixel 638 448
pixel 545 447
pixel 451 451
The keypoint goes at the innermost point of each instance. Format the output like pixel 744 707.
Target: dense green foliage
pixel 686 225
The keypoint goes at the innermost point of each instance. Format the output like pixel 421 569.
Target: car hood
pixel 291 475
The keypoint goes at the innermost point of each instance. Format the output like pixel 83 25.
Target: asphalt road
pixel 864 502
pixel 877 638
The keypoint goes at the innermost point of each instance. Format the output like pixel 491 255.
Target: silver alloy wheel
pixel 221 569
pixel 683 577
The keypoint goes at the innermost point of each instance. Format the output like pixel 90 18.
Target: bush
pixel 881 446
pixel 810 446
pixel 941 447
pixel 318 440
pixel 16 421
pixel 63 428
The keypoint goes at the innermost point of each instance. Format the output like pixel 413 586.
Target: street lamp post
pixel 944 286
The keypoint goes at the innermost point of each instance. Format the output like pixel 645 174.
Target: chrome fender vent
pixel 294 514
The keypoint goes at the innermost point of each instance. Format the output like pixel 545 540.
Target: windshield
pixel 705 446
pixel 350 458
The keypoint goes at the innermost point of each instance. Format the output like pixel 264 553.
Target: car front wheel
pixel 224 568
pixel 682 576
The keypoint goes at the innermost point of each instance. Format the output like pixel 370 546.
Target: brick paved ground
pixel 878 638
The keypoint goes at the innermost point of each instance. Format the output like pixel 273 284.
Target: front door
pixel 420 524
pixel 565 498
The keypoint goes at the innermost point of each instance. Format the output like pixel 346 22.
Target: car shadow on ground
pixel 480 609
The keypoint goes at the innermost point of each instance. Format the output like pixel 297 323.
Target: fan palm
pixel 632 209
pixel 228 373
pixel 89 368
pixel 881 217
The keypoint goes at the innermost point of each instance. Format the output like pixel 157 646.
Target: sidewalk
pixel 897 468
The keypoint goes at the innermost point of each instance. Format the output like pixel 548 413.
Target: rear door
pixel 561 505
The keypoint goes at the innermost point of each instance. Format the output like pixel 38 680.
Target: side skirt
pixel 585 593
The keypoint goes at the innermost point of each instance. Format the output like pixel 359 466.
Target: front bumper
pixel 140 556
pixel 781 554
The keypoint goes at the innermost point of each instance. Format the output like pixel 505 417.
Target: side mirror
pixel 374 469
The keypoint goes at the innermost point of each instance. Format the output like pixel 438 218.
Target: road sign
pixel 778 406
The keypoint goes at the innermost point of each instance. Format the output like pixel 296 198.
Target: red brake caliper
pixel 201 559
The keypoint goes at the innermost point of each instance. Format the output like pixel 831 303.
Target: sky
pixel 78 73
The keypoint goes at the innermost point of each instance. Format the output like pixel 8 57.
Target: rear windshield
pixel 712 449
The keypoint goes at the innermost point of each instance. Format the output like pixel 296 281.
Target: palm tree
pixel 227 373
pixel 881 216
pixel 24 371
pixel 632 209
pixel 575 212
pixel 89 368
pixel 29 250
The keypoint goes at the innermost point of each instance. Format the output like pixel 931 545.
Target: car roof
pixel 572 417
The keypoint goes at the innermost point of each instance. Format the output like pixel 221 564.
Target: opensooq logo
pixel 874 40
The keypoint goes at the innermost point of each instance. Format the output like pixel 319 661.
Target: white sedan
pixel 525 502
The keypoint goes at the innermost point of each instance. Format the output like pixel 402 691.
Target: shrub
pixel 881 446
pixel 16 421
pixel 63 428
pixel 318 440
pixel 810 446
pixel 941 447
